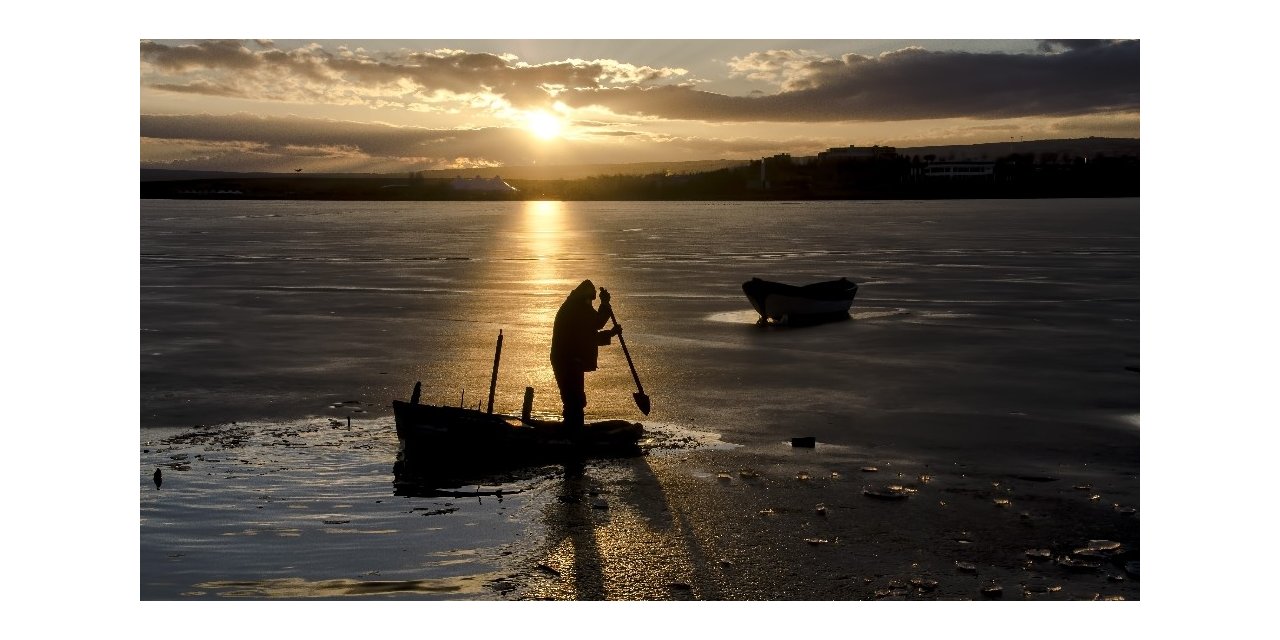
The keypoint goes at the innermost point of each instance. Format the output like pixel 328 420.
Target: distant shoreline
pixel 789 200
pixel 1084 168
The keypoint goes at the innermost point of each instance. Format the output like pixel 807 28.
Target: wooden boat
pixel 435 437
pixel 788 304
pixel 439 443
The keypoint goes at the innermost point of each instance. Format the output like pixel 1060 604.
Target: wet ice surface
pixel 998 343
pixel 310 509
pixel 681 519
pixel 306 509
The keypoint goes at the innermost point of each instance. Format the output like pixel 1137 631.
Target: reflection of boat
pixel 452 439
pixel 788 304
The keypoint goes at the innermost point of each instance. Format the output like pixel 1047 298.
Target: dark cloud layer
pixel 375 140
pixel 910 84
pixel 245 142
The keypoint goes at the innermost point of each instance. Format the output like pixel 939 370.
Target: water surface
pixel 999 331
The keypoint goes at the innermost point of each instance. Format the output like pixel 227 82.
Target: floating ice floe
pixel 1039 585
pixel 993 591
pixel 888 492
pixel 1090 554
pixel 1039 554
pixel 924 584
pixel 1099 549
pixel 967 567
pixel 1076 564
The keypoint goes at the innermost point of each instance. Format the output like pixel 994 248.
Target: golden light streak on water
pixel 543 226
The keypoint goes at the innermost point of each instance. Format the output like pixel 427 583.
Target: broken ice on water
pixel 888 492
pixel 1076 564
pixel 1098 549
pixel 1039 585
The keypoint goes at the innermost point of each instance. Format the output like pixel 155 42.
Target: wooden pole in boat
pixel 493 382
pixel 527 410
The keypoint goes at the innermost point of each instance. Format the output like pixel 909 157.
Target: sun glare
pixel 544 125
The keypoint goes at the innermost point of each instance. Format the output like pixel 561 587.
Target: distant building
pixel 494 184
pixel 960 170
pixel 876 152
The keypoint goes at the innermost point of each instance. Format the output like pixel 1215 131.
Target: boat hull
pixel 437 439
pixel 788 304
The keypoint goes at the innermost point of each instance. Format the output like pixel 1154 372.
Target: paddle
pixel 642 400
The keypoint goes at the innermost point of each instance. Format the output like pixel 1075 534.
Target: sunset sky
pixel 386 105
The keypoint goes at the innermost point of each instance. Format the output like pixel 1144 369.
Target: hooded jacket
pixel 576 337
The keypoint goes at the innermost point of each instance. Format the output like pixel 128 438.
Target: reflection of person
pixel 576 339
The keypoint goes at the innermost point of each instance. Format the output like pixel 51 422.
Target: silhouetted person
pixel 575 343
pixel 156 476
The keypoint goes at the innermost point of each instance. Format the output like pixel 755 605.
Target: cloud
pixel 910 84
pixel 293 136
pixel 202 87
pixel 209 54
pixel 778 66
pixel 1053 46
pixel 345 76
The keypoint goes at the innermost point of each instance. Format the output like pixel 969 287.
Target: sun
pixel 544 125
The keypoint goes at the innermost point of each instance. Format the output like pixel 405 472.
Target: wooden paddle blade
pixel 642 401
